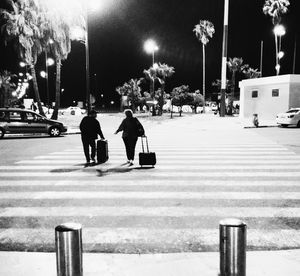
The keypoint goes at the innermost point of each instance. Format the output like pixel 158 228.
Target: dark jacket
pixel 90 128
pixel 130 127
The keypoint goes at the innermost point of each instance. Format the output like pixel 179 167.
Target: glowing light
pixel 150 46
pixel 279 30
pixel 22 64
pixel 155 66
pixel 280 54
pixel 21 74
pixel 50 61
pixel 43 74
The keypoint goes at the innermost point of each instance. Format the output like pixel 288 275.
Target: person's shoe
pixel 131 163
pixel 93 160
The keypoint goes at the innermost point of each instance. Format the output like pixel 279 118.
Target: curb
pixel 263 126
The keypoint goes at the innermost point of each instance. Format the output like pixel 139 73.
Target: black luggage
pixel 102 151
pixel 146 158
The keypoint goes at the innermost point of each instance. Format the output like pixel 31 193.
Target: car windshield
pixel 293 111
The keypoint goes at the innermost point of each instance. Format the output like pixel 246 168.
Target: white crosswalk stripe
pixel 122 206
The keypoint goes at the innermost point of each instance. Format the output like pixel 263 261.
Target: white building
pixel 269 96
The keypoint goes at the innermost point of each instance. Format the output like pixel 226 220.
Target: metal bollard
pixel 68 243
pixel 232 247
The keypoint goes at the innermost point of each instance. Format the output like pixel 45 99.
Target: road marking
pixel 206 167
pixel 175 162
pixel 152 182
pixel 124 211
pixel 145 174
pixel 150 195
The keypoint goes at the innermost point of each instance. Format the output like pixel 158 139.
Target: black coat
pixel 130 127
pixel 90 128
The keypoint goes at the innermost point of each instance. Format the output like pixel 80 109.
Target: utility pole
pixel 261 57
pixel 224 59
pixel 294 58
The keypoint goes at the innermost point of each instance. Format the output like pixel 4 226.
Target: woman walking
pixel 132 129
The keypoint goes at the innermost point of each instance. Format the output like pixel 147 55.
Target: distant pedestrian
pixel 132 129
pixel 255 120
pixel 90 129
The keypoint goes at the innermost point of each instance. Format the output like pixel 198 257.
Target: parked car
pixel 73 110
pixel 16 120
pixel 291 117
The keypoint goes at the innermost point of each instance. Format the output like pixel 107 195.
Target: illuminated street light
pixel 155 66
pixel 280 54
pixel 43 74
pixel 22 64
pixel 50 61
pixel 279 31
pixel 150 47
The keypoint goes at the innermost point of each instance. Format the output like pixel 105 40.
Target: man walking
pixel 90 128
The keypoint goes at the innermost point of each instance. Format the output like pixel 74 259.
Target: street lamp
pixel 150 47
pixel 279 31
pixel 48 62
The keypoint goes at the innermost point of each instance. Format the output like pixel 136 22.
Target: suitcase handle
pixel 146 143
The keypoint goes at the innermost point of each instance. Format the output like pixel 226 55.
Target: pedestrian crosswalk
pixel 175 206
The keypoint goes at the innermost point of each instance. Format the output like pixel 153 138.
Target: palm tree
pixel 22 27
pixel 251 73
pixel 235 65
pixel 6 87
pixel 276 8
pixel 132 90
pixel 57 29
pixel 163 71
pixel 203 31
pixel 151 75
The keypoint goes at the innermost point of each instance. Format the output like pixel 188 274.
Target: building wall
pixel 294 95
pixel 274 95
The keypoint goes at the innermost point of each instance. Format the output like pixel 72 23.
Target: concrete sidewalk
pixel 259 263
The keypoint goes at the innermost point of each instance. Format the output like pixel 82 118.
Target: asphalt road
pixel 287 137
pixel 208 168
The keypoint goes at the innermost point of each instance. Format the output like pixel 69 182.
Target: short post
pixel 232 247
pixel 68 243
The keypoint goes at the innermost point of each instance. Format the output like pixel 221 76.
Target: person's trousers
pixel 87 143
pixel 130 143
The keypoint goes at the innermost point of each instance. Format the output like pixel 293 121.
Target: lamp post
pixel 279 31
pixel 49 62
pixel 87 59
pixel 151 47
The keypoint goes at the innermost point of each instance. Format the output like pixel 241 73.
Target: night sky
pixel 117 34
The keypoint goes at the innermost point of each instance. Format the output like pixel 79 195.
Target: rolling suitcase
pixel 146 158
pixel 102 151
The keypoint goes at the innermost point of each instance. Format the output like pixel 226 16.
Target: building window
pixel 254 94
pixel 275 92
